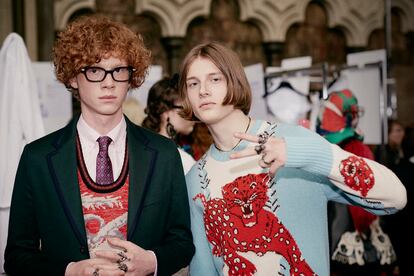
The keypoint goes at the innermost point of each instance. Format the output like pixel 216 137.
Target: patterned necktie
pixel 104 175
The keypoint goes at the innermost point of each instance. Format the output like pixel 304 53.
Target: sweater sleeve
pixel 365 182
pixel 203 260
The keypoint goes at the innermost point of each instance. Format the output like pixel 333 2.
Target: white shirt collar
pixel 90 135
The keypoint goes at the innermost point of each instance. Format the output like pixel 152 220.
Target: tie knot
pixel 104 142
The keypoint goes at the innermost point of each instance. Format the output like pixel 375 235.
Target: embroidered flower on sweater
pixel 357 174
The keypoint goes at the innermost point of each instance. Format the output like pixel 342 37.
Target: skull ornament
pixel 358 175
pixel 350 249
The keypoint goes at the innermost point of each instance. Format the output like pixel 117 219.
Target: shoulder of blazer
pixel 56 139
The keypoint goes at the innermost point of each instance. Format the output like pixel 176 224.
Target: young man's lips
pixel 206 104
pixel 107 97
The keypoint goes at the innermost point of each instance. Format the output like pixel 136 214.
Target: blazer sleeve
pixel 178 248
pixel 23 254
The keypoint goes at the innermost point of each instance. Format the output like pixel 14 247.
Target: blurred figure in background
pixel 391 153
pixel 134 110
pixel 162 109
pixel 400 226
pixel 358 244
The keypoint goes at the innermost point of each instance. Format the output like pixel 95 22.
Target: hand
pixel 272 150
pixel 131 259
pixel 93 267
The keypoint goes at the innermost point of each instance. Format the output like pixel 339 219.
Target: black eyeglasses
pixel 98 74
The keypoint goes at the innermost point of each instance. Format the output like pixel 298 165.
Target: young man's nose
pixel 204 90
pixel 108 80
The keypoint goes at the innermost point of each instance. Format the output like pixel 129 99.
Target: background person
pixel 391 154
pixel 400 225
pixel 358 243
pixel 163 104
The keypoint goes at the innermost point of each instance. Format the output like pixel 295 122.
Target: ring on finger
pixel 263 138
pixel 267 163
pixel 123 267
pixel 259 148
pixel 95 272
pixel 122 256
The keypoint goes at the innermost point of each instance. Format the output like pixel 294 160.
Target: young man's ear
pixel 165 115
pixel 73 83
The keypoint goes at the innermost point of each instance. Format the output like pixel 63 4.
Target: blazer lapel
pixel 63 169
pixel 141 166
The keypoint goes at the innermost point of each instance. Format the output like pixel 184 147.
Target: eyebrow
pixel 210 74
pixel 111 67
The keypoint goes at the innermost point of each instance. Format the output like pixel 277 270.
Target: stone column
pixel 273 52
pixel 6 23
pixel 45 29
pixel 18 17
pixel 173 47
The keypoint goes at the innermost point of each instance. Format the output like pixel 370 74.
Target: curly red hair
pixel 88 39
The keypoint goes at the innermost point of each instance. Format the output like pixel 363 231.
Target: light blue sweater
pixel 246 223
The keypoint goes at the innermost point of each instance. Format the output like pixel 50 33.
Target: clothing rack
pixel 319 73
pixel 324 73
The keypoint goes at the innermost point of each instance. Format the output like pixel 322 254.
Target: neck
pixel 102 124
pixel 222 131
pixel 163 130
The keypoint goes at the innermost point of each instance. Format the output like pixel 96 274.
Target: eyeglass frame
pixel 111 72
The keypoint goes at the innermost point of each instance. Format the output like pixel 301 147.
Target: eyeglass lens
pixel 97 74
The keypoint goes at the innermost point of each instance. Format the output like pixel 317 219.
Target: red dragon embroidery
pixel 357 174
pixel 239 223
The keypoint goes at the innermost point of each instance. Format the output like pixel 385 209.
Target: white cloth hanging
pixel 20 119
pixel 288 106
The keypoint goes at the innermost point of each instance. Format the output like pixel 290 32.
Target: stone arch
pixel 223 25
pixel 357 18
pixel 66 8
pixel 314 38
pixel 173 16
pixel 407 11
pixel 273 17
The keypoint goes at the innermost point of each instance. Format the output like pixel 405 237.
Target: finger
pixel 249 151
pixel 275 167
pixel 246 136
pixel 111 271
pixel 97 261
pixel 117 242
pixel 118 257
pixel 108 255
pixel 107 267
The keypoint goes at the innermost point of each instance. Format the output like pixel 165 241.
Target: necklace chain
pixel 238 143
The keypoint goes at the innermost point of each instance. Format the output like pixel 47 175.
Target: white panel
pixel 141 93
pixel 377 90
pixel 255 76
pixel 366 86
pixel 55 99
